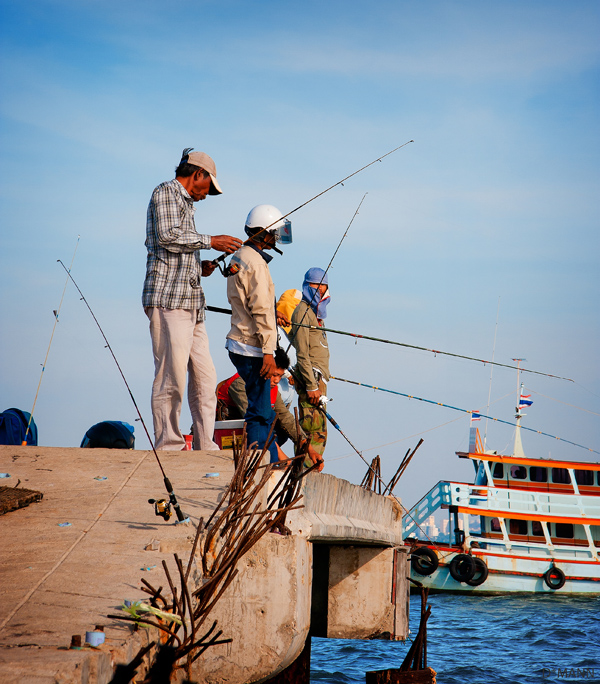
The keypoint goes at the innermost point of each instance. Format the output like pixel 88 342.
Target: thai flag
pixel 475 415
pixel 525 400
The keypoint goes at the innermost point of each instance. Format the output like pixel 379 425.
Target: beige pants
pixel 180 348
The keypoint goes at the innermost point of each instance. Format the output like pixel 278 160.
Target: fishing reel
pixel 226 270
pixel 323 402
pixel 162 508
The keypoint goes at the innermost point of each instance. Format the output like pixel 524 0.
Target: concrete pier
pixel 337 574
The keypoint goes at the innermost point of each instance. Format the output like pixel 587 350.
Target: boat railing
pixel 509 501
pixel 505 545
pixel 436 497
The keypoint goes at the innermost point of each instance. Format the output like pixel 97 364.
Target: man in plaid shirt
pixel 174 302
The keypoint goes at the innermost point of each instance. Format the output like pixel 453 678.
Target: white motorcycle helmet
pixel 265 218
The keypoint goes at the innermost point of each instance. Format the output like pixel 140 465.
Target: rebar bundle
pixel 244 515
pixel 372 479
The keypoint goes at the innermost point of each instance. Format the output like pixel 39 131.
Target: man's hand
pixel 268 368
pixel 207 268
pixel 314 396
pixel 282 320
pixel 316 457
pixel 225 243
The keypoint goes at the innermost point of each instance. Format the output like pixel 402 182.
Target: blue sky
pixel 494 206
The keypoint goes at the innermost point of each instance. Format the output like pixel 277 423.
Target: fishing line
pixel 56 313
pixel 455 408
pixel 397 441
pixel 341 182
pixel 217 309
pixel 563 402
pixel 329 265
pixel 417 434
pixel 587 390
pixel 172 498
pixel 433 351
pixel 375 473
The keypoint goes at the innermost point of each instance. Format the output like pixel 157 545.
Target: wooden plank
pixel 395 676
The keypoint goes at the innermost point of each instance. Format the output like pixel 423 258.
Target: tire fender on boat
pixel 424 560
pixel 462 567
pixel 554 578
pixel 481 572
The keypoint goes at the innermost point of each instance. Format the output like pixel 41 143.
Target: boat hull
pixel 507 574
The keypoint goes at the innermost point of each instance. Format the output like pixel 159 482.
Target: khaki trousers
pixel 180 348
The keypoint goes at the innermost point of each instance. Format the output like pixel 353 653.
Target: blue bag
pixel 13 426
pixel 110 434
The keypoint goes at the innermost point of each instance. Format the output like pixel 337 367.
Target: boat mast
pixel 518 446
pixel 491 374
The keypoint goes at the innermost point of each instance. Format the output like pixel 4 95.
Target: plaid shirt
pixel 173 266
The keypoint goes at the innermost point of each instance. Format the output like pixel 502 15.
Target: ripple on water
pixel 480 639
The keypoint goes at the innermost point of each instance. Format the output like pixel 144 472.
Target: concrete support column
pixel 359 592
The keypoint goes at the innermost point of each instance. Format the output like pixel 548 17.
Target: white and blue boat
pixel 524 525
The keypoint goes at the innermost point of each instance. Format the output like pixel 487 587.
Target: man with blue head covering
pixel 312 354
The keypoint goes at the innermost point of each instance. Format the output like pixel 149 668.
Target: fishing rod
pixel 162 508
pixel 329 265
pixel 456 408
pixel 341 182
pixel 433 351
pixel 323 407
pixel 217 309
pixel 56 313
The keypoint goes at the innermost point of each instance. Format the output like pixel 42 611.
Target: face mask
pixel 318 303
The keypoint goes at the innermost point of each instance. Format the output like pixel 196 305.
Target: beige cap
pixel 205 162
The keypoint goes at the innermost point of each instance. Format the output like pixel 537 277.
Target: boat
pixel 524 525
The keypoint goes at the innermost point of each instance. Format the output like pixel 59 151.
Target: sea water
pixel 482 640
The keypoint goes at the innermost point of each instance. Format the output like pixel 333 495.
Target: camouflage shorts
pixel 314 423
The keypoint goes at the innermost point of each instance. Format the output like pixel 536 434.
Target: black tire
pixel 462 567
pixel 554 578
pixel 481 573
pixel 424 561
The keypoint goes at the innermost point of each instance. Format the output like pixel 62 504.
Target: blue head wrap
pixel 311 295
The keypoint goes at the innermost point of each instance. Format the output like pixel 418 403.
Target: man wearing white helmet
pixel 252 340
pixel 174 302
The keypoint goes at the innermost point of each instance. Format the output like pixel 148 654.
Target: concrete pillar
pixel 359 592
pixel 266 610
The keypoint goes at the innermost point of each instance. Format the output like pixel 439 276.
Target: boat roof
pixel 522 460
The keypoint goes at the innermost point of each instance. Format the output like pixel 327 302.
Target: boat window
pixel 475 524
pixel 495 525
pixel 518 472
pixel 560 476
pixel 499 471
pixel 584 477
pixel 538 474
pixel 564 530
pixel 518 527
pixel 536 528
